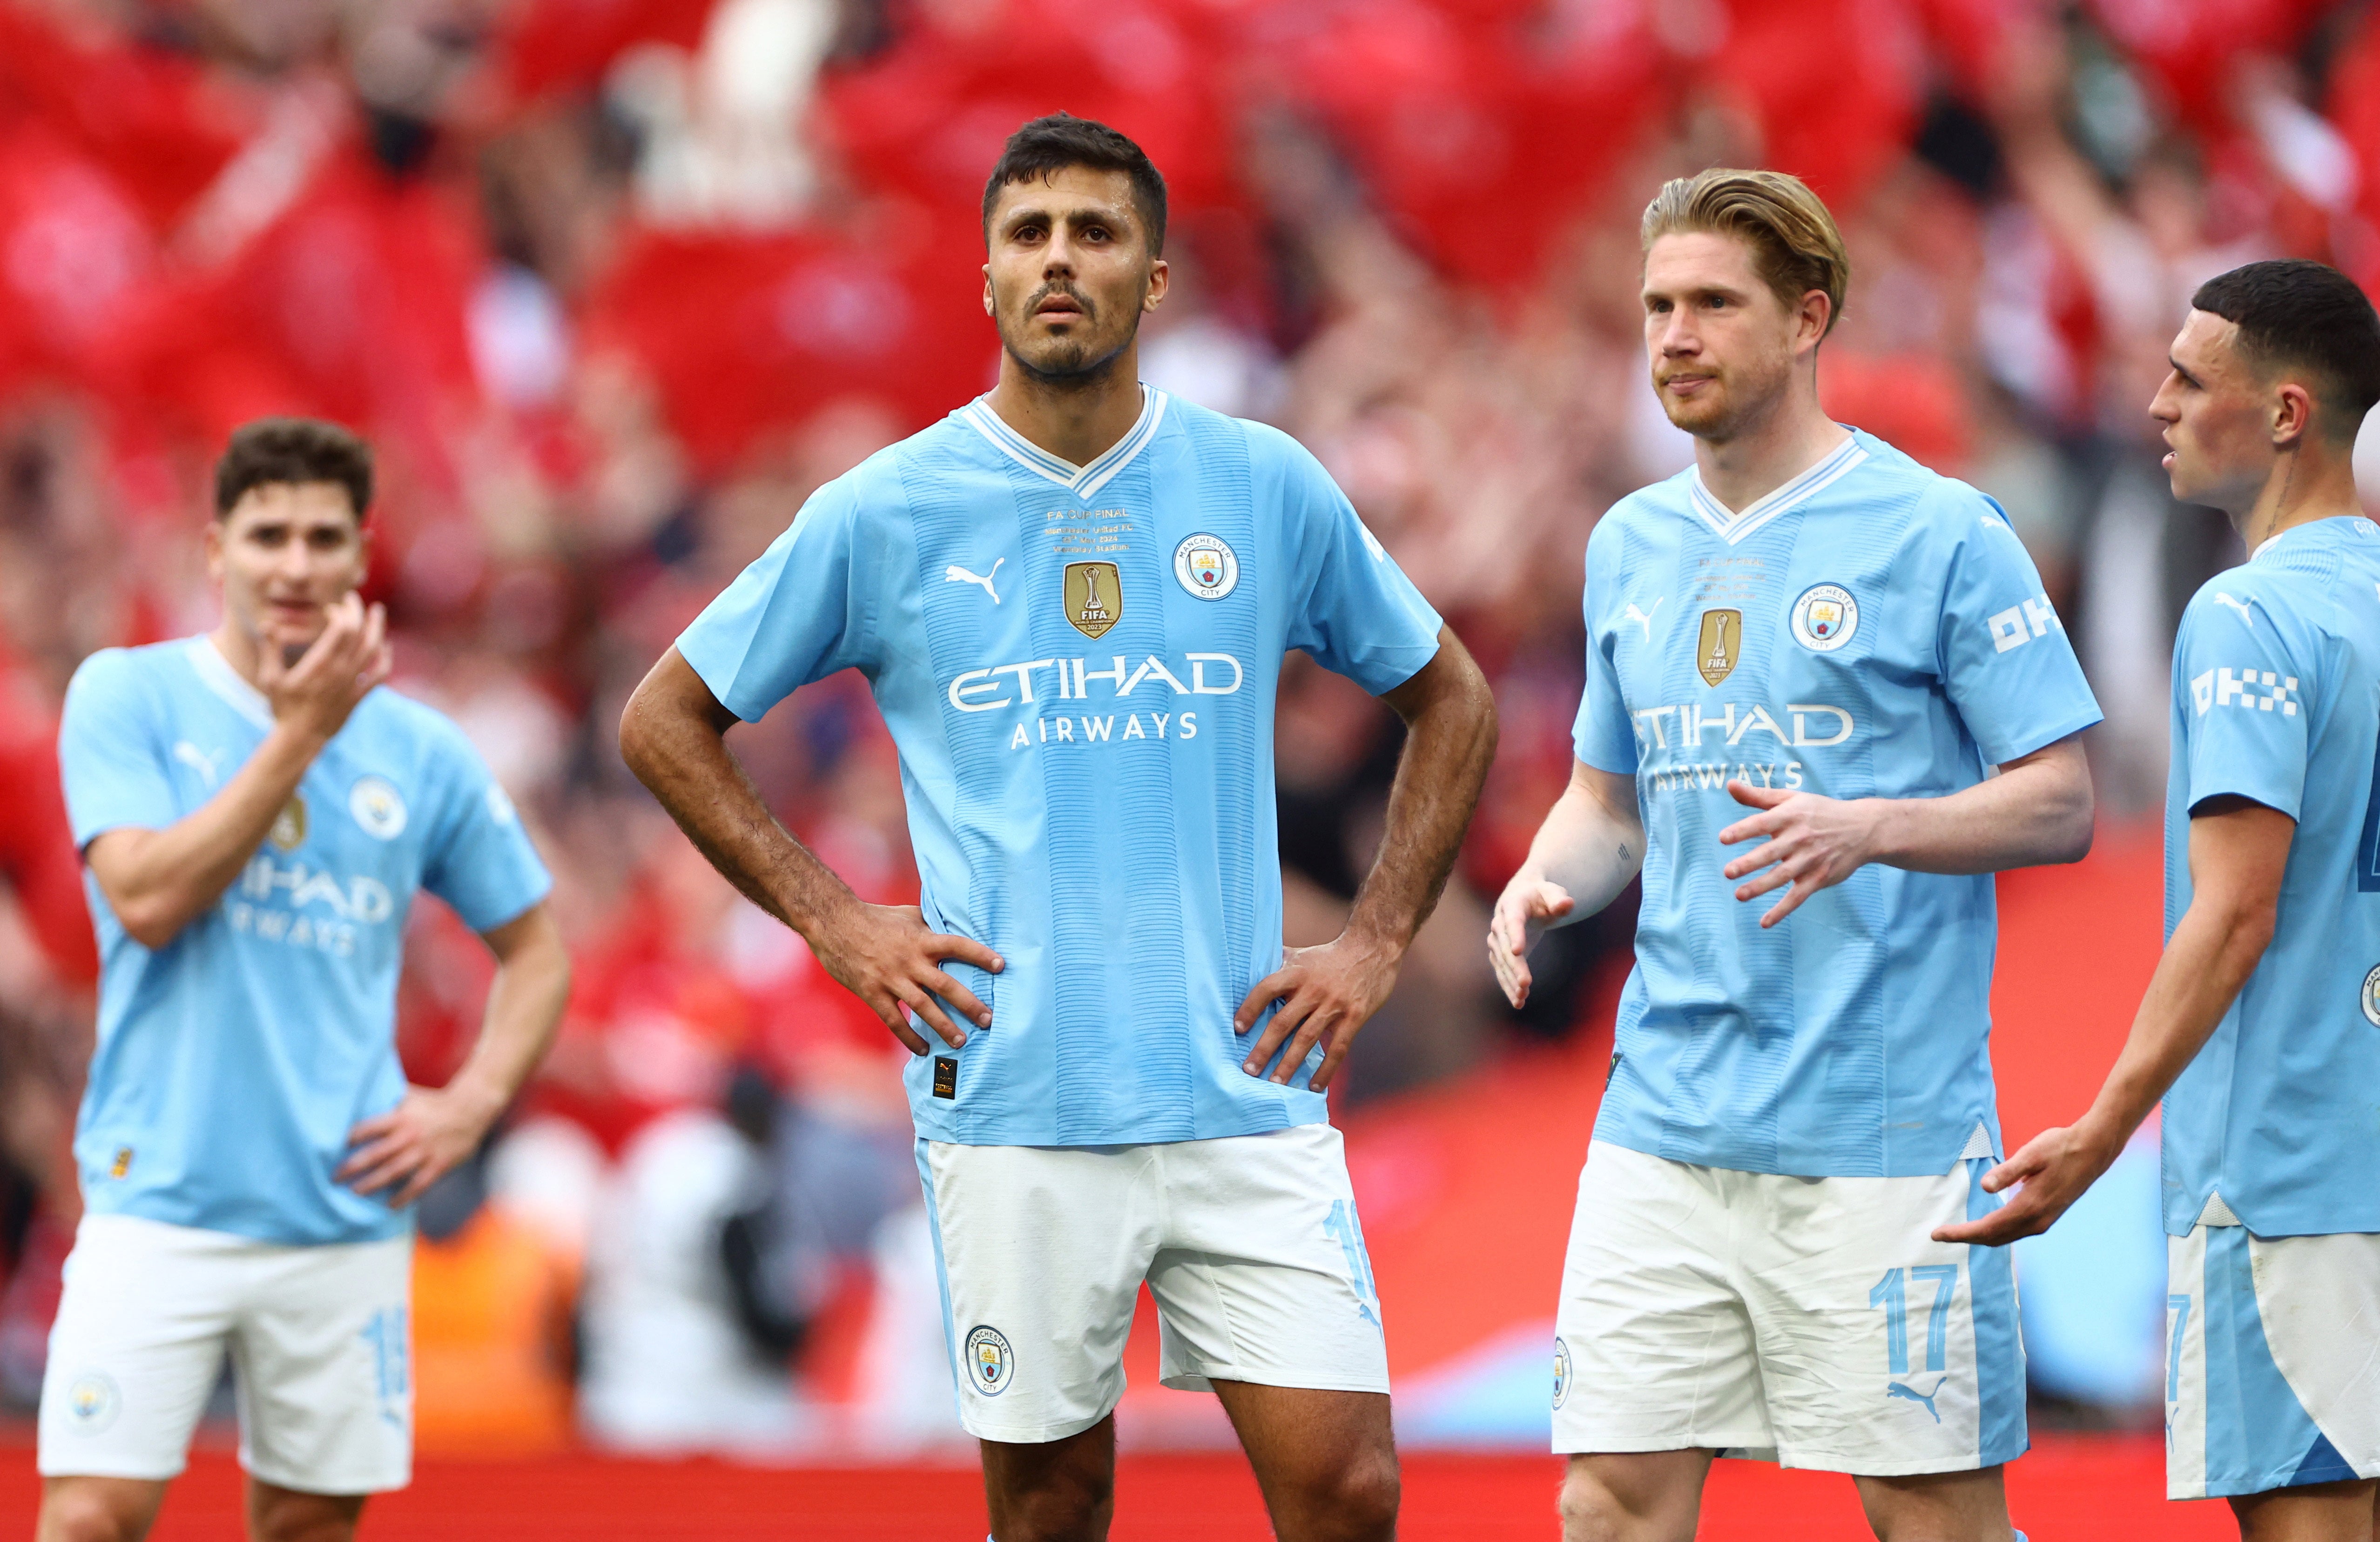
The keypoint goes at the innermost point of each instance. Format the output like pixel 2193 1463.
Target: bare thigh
pixel 1051 1490
pixel 98 1508
pixel 1633 1496
pixel 278 1514
pixel 1327 1461
pixel 1938 1506
pixel 2346 1511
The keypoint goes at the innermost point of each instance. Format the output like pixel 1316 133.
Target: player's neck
pixel 2309 484
pixel 1748 465
pixel 238 648
pixel 1077 418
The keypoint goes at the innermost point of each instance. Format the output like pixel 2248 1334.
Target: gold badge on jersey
pixel 1094 596
pixel 288 830
pixel 1720 647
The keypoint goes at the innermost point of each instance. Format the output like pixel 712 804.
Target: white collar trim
pixel 1733 528
pixel 215 673
pixel 1084 482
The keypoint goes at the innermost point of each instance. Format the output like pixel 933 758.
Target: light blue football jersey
pixel 1870 630
pixel 233 1062
pixel 2277 699
pixel 1077 665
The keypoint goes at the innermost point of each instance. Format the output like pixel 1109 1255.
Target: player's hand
pixel 1522 912
pixel 2049 1172
pixel 415 1144
pixel 337 670
pixel 885 955
pixel 1811 843
pixel 1326 993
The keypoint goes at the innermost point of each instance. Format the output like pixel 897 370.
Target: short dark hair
pixel 293 450
pixel 2293 315
pixel 1049 145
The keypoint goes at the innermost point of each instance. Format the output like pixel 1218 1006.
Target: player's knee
pixel 1351 1501
pixel 1073 1509
pixel 1592 1512
pixel 78 1514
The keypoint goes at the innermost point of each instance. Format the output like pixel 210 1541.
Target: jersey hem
pixel 1124 1137
pixel 1902 1168
pixel 399 1225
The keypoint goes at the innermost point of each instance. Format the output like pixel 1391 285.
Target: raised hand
pixel 1522 912
pixel 1325 994
pixel 2049 1172
pixel 338 670
pixel 885 955
pixel 1808 840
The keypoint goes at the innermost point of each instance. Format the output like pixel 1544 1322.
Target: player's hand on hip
pixel 402 1152
pixel 2049 1172
pixel 1522 912
pixel 886 955
pixel 1325 994
pixel 1807 841
pixel 337 670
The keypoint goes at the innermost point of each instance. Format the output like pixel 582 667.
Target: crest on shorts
pixel 288 830
pixel 93 1401
pixel 1094 597
pixel 1561 1372
pixel 991 1363
pixel 1720 646
pixel 2372 997
pixel 1824 617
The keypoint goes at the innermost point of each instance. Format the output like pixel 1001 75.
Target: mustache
pixel 1057 286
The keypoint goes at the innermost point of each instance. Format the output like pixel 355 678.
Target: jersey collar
pixel 1082 480
pixel 1734 527
pixel 215 673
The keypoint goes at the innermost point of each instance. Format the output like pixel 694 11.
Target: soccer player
pixel 1071 597
pixel 255 815
pixel 1805 655
pixel 2261 1027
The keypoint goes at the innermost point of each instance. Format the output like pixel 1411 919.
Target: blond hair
pixel 1795 246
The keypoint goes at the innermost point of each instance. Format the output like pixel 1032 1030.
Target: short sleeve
pixel 2004 655
pixel 1353 609
pixel 481 860
pixel 111 757
pixel 2241 698
pixel 794 616
pixel 1605 734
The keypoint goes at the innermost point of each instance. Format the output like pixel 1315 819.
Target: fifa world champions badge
pixel 1206 566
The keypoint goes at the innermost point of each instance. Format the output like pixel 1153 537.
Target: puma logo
pixel 1900 1389
pixel 198 759
pixel 2245 614
pixel 1644 618
pixel 954 573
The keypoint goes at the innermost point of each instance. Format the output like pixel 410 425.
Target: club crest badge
pixel 288 830
pixel 1207 566
pixel 1824 617
pixel 1094 597
pixel 1562 1373
pixel 377 807
pixel 1720 645
pixel 93 1401
pixel 991 1363
pixel 2372 997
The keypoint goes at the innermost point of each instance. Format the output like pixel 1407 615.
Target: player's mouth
pixel 1057 307
pixel 1686 386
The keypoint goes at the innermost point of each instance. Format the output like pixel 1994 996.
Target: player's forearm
pixel 2037 810
pixel 1587 848
pixel 525 1005
pixel 1450 716
pixel 2205 964
pixel 672 737
pixel 157 882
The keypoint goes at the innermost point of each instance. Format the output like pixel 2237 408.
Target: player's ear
pixel 1159 277
pixel 214 547
pixel 987 290
pixel 2292 413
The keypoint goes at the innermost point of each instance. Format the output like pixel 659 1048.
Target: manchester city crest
pixel 1561 1372
pixel 1824 617
pixel 1094 597
pixel 377 806
pixel 1207 566
pixel 989 1362
pixel 2372 996
pixel 93 1401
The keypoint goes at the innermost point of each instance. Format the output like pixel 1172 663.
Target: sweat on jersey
pixel 232 1060
pixel 2277 699
pixel 1077 665
pixel 1869 629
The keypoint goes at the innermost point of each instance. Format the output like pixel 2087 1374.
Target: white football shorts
pixel 321 1361
pixel 1809 1321
pixel 2271 1378
pixel 1248 1244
